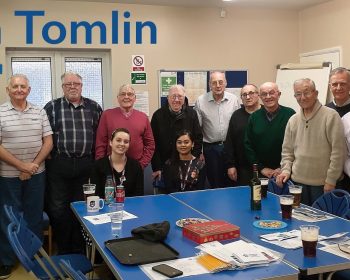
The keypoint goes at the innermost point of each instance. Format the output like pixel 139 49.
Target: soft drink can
pixel 120 194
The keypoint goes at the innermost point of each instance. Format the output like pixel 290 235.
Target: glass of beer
pixel 309 237
pixel 89 190
pixel 264 185
pixel 286 202
pixel 296 190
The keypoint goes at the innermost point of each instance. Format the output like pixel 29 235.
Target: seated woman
pixel 124 170
pixel 183 172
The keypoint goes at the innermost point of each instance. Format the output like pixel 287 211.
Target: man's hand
pixel 157 175
pixel 232 173
pixel 282 178
pixel 29 167
pixel 24 176
pixel 328 187
pixel 267 172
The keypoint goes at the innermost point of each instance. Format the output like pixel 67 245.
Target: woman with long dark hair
pixel 184 171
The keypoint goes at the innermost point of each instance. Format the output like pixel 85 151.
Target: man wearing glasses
pixel 166 122
pixel 74 120
pixel 314 146
pixel 214 110
pixel 238 167
pixel 142 142
pixel 265 131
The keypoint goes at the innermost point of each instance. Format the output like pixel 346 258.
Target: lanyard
pixel 183 180
pixel 122 178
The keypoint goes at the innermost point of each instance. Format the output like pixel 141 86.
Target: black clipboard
pixel 136 251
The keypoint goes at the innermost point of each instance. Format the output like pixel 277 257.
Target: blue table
pixel 233 205
pixel 152 209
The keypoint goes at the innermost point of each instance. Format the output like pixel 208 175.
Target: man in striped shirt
pixel 25 142
pixel 74 120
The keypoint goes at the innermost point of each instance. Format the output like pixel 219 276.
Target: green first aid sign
pixel 166 83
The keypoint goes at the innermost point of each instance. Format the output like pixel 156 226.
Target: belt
pixel 214 143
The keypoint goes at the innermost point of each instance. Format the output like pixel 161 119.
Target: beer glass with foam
pixel 286 202
pixel 296 190
pixel 309 237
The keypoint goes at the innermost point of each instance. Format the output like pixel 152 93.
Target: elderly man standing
pixel 339 84
pixel 74 120
pixel 314 145
pixel 169 120
pixel 214 111
pixel 142 142
pixel 238 167
pixel 25 142
pixel 265 131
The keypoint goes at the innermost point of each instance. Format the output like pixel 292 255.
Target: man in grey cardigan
pixel 314 145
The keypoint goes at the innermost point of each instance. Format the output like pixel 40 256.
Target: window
pixel 44 70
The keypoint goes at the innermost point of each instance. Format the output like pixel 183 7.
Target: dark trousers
pixel 65 185
pixel 26 196
pixel 215 166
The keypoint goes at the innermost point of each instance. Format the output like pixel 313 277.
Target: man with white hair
pixel 313 149
pixel 25 142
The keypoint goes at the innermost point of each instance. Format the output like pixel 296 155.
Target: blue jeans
pixel 27 196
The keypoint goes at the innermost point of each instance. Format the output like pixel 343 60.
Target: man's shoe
pixel 5 271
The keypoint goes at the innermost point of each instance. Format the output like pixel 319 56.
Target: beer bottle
pixel 255 190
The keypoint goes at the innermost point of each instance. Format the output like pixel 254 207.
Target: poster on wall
pixel 196 84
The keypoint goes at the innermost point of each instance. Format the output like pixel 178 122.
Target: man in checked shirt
pixel 74 120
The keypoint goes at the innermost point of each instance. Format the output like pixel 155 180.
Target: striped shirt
pixel 21 134
pixel 74 127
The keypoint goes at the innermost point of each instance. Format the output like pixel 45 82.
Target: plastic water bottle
pixel 109 190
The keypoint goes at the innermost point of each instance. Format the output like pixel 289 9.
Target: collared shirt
pixel 345 103
pixel 214 117
pixel 271 115
pixel 21 134
pixel 74 127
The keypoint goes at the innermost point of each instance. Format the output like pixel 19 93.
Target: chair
pixel 70 272
pixel 274 188
pixel 335 202
pixel 28 248
pixel 14 216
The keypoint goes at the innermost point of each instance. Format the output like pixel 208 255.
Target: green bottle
pixel 255 190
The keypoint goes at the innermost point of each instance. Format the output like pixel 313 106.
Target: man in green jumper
pixel 265 131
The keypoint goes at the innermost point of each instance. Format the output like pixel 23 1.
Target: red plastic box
pixel 211 231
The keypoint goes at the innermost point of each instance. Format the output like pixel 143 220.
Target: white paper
pixel 142 102
pixel 334 249
pixel 105 218
pixel 189 266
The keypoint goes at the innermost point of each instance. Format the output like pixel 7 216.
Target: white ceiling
pixel 280 4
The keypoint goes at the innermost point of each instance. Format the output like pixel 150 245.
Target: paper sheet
pixel 105 218
pixel 334 249
pixel 189 266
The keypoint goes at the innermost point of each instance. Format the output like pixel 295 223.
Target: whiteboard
pixel 286 77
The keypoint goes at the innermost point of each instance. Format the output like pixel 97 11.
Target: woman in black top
pixel 183 172
pixel 124 170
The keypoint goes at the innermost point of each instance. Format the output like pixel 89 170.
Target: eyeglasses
pixel 128 94
pixel 270 93
pixel 335 85
pixel 179 97
pixel 72 84
pixel 218 83
pixel 246 94
pixel 306 94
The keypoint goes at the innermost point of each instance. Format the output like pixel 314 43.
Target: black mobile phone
pixel 167 270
